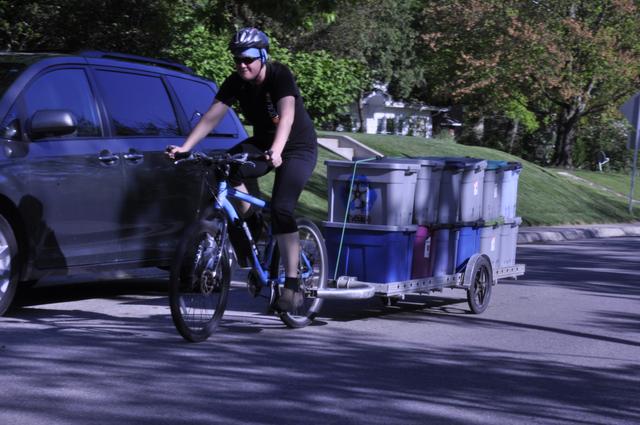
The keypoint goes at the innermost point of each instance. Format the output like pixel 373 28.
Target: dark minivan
pixel 84 182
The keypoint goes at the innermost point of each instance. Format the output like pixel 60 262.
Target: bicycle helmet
pixel 249 38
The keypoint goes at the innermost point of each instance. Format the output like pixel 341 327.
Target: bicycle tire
pixel 312 244
pixel 199 285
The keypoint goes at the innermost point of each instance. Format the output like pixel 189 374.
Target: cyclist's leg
pixel 289 182
pixel 313 274
pixel 245 176
pixel 237 178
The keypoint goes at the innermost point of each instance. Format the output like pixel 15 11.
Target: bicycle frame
pixel 222 197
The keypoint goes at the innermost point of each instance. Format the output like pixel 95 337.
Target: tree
pixel 140 26
pixel 328 84
pixel 565 59
pixel 377 33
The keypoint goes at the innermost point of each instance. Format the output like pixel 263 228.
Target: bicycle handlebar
pixel 217 158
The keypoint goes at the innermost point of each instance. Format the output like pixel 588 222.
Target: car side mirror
pixel 51 122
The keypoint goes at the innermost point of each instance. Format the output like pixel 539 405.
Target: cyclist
pixel 270 100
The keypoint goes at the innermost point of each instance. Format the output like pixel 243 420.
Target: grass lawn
pixel 618 182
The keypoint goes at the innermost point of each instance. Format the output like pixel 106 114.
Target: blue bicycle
pixel 201 271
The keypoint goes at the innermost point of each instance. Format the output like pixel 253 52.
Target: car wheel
pixel 8 265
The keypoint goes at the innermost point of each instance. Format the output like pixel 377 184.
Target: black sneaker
pixel 292 297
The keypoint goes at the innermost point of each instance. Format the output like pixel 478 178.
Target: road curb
pixel 568 233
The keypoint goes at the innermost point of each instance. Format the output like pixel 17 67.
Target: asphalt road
pixel 561 345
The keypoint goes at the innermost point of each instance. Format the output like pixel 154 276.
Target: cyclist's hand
pixel 172 150
pixel 274 158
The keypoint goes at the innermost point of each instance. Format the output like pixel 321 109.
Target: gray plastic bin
pixel 425 205
pixel 461 189
pixel 382 194
pixel 490 243
pixel 509 190
pixel 508 242
pixel 449 198
pixel 471 189
pixel 491 192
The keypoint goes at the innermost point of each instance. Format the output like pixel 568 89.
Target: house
pixel 383 115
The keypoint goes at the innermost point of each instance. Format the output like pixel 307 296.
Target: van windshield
pixel 9 71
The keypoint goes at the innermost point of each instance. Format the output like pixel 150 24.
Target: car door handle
pixel 133 156
pixel 106 157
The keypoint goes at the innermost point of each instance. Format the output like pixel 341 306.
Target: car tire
pixel 8 265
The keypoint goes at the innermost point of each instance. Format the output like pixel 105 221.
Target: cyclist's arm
pixel 287 111
pixel 207 123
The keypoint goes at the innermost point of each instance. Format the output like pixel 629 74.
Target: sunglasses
pixel 244 60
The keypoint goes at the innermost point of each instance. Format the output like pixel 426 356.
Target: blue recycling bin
pixel 371 253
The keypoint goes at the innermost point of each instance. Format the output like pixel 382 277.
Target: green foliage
pixel 379 34
pixel 329 85
pixel 602 133
pixel 206 53
pixel 141 27
pixel 516 110
pixel 568 59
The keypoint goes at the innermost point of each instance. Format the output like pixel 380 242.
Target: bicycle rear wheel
pixel 313 269
pixel 200 279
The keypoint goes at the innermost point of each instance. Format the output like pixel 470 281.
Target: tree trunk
pixel 514 134
pixel 478 131
pixel 362 127
pixel 567 120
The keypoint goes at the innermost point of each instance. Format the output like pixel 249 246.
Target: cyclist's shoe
pixel 292 296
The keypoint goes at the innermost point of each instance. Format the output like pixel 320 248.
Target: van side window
pixel 66 89
pixel 138 105
pixel 196 98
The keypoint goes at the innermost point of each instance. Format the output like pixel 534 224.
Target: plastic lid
pixel 374 164
pixel 464 162
pixel 493 164
pixel 514 165
pixel 422 161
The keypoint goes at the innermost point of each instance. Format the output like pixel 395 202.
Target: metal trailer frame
pixel 477 272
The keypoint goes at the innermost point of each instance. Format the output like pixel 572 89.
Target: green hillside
pixel 544 196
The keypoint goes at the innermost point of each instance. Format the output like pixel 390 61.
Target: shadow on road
pixel 64 365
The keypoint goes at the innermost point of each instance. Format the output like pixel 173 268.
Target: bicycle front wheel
pixel 200 279
pixel 312 269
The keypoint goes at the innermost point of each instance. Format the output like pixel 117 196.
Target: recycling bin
pixel 467 244
pixel 461 189
pixel 508 242
pixel 425 205
pixel 371 253
pixel 491 192
pixel 449 197
pixel 421 261
pixel 376 193
pixel 443 248
pixel 490 243
pixel 471 189
pixel 509 190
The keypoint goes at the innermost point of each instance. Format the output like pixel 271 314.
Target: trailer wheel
pixel 478 277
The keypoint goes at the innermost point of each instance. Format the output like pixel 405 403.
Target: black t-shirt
pixel 259 106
